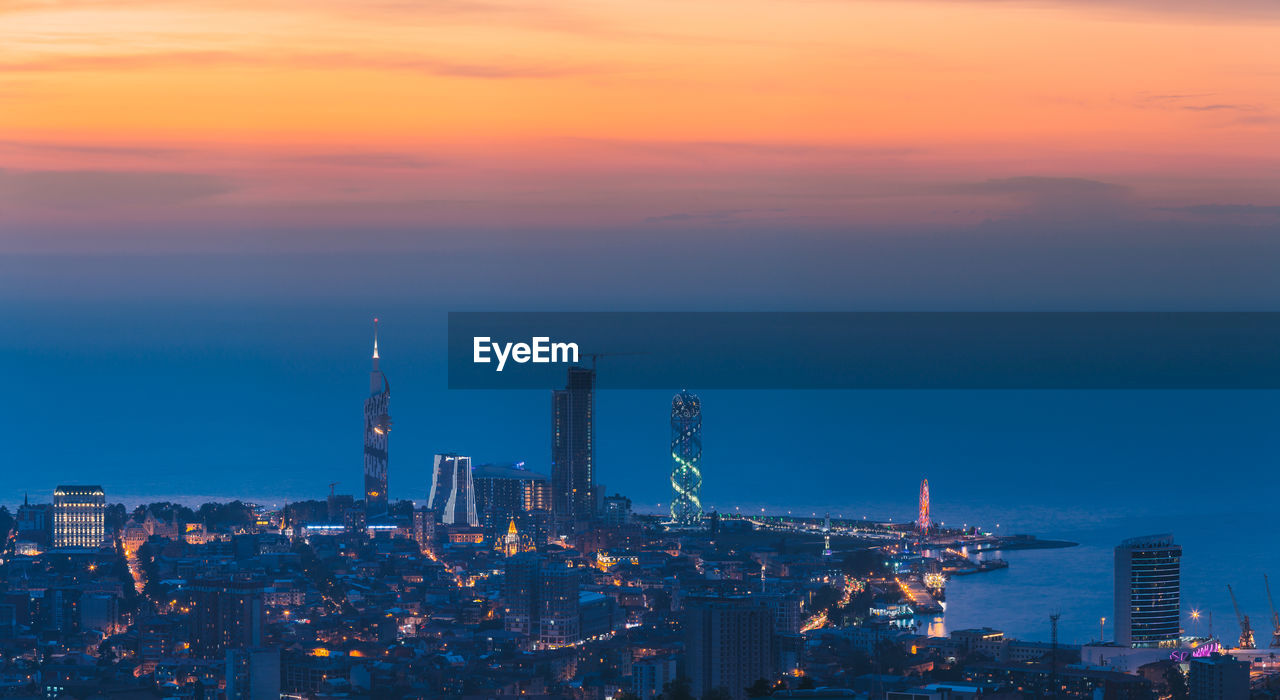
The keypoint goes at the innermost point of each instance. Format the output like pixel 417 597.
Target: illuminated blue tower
pixel 686 459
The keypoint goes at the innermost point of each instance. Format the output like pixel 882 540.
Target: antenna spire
pixel 375 338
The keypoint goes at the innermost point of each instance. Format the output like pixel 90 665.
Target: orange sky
pixel 620 112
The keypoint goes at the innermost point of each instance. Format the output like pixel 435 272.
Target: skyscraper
pixel 729 643
pixel 424 529
pixel 452 495
pixel 540 598
pixel 558 613
pixel 573 446
pixel 79 516
pixel 1148 605
pixel 520 585
pixel 506 492
pixel 686 459
pixel 377 425
pixel 225 614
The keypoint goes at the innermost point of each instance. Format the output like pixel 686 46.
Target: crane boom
pixel 597 355
pixel 1246 630
pixel 1275 616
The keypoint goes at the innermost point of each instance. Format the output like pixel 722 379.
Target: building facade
pixel 225 614
pixel 520 594
pixel 729 644
pixel 616 511
pixel 505 492
pixel 559 619
pixel 79 516
pixel 377 428
pixel 650 675
pixel 1218 677
pixel 424 529
pixel 573 447
pixel 452 493
pixel 686 459
pixel 540 599
pixel 1148 592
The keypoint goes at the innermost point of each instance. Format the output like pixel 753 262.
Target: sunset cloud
pixel 477 115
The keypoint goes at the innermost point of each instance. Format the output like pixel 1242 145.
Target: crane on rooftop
pixel 1275 616
pixel 595 355
pixel 1246 630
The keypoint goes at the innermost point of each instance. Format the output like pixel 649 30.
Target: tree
pixel 807 683
pixel 824 598
pixel 890 656
pixel 864 562
pixel 1177 683
pixel 679 689
pixel 760 689
pixel 224 516
pixel 721 693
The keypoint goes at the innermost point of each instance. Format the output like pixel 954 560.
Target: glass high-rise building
pixel 686 459
pixel 79 516
pixel 377 426
pixel 1148 592
pixel 452 494
pixel 505 492
pixel 573 447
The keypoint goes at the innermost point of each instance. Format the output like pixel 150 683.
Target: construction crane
pixel 331 485
pixel 596 355
pixel 1246 630
pixel 1275 616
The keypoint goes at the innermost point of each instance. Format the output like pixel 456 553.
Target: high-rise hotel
pixel 377 426
pixel 1148 595
pixel 79 516
pixel 573 478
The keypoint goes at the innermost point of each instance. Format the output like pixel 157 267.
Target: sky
pixel 196 126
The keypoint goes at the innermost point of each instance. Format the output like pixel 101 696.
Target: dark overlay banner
pixel 867 350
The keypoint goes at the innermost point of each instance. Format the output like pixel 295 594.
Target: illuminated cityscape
pixel 744 349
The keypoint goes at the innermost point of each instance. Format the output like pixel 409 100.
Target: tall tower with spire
pixel 826 535
pixel 377 426
pixel 924 520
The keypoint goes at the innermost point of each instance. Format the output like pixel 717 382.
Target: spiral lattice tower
pixel 686 459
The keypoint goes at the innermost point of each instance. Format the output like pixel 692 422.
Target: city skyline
pixel 203 203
